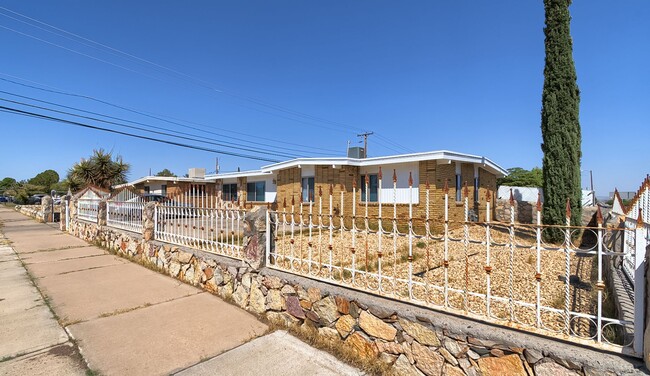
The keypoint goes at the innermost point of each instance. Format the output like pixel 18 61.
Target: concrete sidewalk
pixel 32 342
pixel 128 320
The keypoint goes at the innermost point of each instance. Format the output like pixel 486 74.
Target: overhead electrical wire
pixel 192 79
pixel 147 130
pixel 60 120
pixel 162 80
pixel 159 117
pixel 280 152
pixel 386 142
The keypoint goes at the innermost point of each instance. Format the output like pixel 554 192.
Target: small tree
pixel 100 170
pixel 560 121
pixel 7 183
pixel 166 172
pixel 519 177
pixel 45 179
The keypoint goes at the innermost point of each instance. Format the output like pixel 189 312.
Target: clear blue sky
pixel 464 76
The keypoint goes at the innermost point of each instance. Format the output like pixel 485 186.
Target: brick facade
pixel 341 179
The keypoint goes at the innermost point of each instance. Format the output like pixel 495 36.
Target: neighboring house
pixel 283 182
pixel 169 186
pixel 91 193
pixel 531 194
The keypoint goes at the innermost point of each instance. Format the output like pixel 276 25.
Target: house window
pixel 459 188
pixel 372 186
pixel 476 189
pixel 230 192
pixel 147 189
pixel 308 189
pixel 255 191
pixel 163 190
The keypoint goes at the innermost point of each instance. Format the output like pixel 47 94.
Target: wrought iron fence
pixel 124 210
pixel 505 273
pixel 88 208
pixel 198 218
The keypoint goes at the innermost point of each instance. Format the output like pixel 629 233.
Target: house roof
pixel 161 179
pixel 440 155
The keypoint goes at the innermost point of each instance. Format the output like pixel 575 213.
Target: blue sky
pixel 464 76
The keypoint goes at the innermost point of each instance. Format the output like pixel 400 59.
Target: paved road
pixel 124 318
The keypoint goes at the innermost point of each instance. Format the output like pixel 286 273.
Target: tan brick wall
pixel 341 179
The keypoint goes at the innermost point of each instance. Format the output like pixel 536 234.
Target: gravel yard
pixel 381 264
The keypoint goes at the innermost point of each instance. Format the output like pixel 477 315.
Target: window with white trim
pixel 255 191
pixel 373 188
pixel 307 189
pixel 229 192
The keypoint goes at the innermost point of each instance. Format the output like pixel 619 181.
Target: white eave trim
pixel 238 174
pixel 150 179
pixel 404 158
pixel 440 155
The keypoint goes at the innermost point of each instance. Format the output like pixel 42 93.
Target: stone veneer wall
pixel 34 211
pixel 525 212
pixel 373 328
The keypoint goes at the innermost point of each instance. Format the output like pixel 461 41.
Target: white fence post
pixel 639 284
pixel 67 215
pixel 268 236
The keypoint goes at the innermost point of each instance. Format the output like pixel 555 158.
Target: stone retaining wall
pixel 525 212
pixel 34 211
pixel 409 340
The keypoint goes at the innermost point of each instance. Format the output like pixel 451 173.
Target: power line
pixel 50 118
pixel 192 79
pixel 282 150
pixel 388 140
pixel 147 130
pixel 161 117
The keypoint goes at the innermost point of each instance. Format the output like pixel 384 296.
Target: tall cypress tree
pixel 560 123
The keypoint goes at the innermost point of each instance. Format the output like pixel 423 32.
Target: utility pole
pixel 365 141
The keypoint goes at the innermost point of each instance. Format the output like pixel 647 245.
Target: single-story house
pixel 284 182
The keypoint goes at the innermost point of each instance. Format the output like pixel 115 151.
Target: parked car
pixel 35 199
pixel 3 199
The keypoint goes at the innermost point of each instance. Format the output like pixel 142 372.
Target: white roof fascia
pixel 375 161
pixel 404 158
pixel 238 174
pixel 147 179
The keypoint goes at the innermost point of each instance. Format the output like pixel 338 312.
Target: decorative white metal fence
pixel 88 208
pixel 124 210
pixel 636 215
pixel 504 273
pixel 198 218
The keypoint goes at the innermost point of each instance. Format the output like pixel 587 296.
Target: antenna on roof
pixel 217 166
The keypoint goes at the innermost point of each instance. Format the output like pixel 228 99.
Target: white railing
pixel 124 210
pixel 504 273
pixel 198 218
pixel 125 215
pixel 87 209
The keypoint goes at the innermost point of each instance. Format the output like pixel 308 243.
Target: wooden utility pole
pixel 365 142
